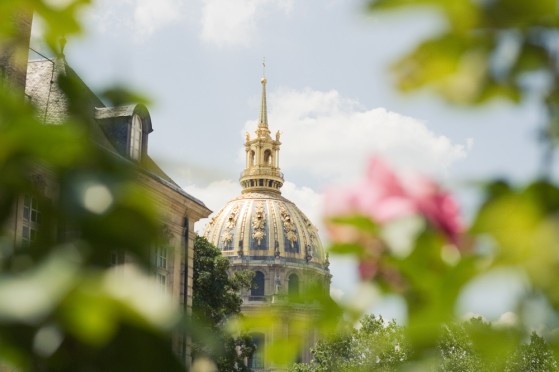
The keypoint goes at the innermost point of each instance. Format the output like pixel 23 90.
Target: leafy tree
pixel 377 345
pixel 215 299
pixel 467 347
pixel 457 349
pixel 533 357
pixel 463 347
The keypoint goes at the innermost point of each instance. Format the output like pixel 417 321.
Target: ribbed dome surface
pixel 263 225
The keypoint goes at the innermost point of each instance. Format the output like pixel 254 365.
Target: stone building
pixel 264 232
pixel 123 132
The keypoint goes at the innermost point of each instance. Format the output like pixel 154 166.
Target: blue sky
pixel 329 93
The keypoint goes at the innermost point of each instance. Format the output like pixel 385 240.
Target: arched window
pixel 257 288
pixel 136 138
pixel 252 157
pixel 268 157
pixel 257 358
pixel 293 285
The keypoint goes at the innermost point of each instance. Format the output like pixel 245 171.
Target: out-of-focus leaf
pixel 530 58
pixel 525 225
pixel 118 96
pixel 347 249
pixel 89 314
pixel 520 14
pixel 60 18
pixel 362 223
pixel 430 286
pixel 454 64
pixel 462 14
pixel 39 290
pixel 493 90
pixel 140 298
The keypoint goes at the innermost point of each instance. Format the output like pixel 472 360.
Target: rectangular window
pixel 160 261
pixel 162 281
pixel 161 258
pixel 257 359
pixel 31 219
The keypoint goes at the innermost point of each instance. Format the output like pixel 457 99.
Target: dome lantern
pixel 262 171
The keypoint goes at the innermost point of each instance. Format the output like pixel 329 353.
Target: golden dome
pixel 261 224
pixel 265 225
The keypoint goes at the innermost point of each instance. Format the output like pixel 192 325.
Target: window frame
pixel 30 218
pixel 136 134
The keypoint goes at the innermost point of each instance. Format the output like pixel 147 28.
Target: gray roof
pixel 53 108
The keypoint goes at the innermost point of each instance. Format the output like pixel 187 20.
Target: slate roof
pixel 44 93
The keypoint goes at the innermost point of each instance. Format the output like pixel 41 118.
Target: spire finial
pixel 262 171
pixel 263 122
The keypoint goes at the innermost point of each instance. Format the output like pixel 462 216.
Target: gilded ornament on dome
pixel 288 226
pixel 258 223
pixel 308 253
pixel 227 236
pixel 209 227
pixel 276 249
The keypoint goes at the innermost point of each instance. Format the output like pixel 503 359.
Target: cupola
pixel 262 171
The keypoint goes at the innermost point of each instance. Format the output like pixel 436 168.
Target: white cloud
pixel 306 199
pixel 142 17
pixel 331 137
pixel 234 22
pixel 214 195
pixel 152 14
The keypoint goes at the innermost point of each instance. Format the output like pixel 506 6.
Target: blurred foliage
pixel 62 306
pixel 487 49
pixel 216 298
pixel 515 228
pixel 312 312
pixel 377 345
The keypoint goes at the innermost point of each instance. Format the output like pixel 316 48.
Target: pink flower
pixel 383 196
pixel 437 206
pixel 379 196
pixel 367 269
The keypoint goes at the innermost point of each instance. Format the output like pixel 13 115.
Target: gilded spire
pixel 262 172
pixel 263 122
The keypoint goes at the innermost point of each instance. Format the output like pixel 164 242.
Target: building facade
pixel 123 133
pixel 264 232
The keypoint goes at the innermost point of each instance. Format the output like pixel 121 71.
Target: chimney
pixel 14 50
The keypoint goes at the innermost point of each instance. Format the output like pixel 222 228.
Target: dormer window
pixel 136 138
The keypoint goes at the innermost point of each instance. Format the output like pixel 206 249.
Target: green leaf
pixel 347 249
pixel 362 223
